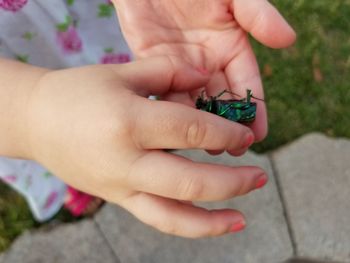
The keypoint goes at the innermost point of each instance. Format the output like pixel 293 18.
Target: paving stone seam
pixel 284 206
pixel 117 260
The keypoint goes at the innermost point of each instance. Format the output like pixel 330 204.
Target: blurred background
pixel 307 89
pixel 308 85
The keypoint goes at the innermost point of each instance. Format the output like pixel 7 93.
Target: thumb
pixel 163 74
pixel 264 22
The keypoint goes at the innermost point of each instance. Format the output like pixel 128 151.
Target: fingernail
pixel 261 181
pixel 238 226
pixel 248 141
pixel 202 70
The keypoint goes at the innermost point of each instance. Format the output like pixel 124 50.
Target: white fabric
pixel 29 33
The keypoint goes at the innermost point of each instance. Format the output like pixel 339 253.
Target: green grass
pixel 298 102
pixel 15 216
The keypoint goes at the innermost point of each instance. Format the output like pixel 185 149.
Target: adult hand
pixel 211 35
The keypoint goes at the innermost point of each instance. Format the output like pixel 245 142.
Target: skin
pixel 212 36
pixel 95 129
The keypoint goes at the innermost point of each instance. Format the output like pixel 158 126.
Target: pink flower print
pixel 51 199
pixel 12 5
pixel 69 40
pixel 10 179
pixel 113 58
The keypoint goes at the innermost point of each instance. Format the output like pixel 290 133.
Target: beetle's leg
pixel 257 98
pixel 225 91
pixel 202 94
pixel 220 94
pixel 249 95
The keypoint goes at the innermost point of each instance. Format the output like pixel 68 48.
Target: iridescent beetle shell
pixel 242 111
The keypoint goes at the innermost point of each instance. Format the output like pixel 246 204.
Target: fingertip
pixel 285 38
pixel 260 132
pixel 260 125
pixel 237 153
pixel 237 226
pixel 236 221
pixel 188 77
pixel 275 32
pixel 292 37
pixel 264 22
pixel 215 152
pixel 225 221
pixel 261 181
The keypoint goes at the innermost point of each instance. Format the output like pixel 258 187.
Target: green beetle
pixel 242 111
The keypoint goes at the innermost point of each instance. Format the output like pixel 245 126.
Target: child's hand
pixel 95 129
pixel 209 34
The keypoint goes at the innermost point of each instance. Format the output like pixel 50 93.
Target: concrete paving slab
pixel 79 243
pixel 300 260
pixel 314 173
pixel 266 238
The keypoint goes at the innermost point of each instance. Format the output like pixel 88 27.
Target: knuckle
pixel 196 133
pixel 116 126
pixel 192 189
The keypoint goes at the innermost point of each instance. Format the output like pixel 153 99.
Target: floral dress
pixel 54 34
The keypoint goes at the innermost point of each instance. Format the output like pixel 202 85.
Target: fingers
pixel 218 82
pixel 215 152
pixel 179 97
pixel 186 220
pixel 237 152
pixel 243 73
pixel 264 22
pixel 160 75
pixel 176 177
pixel 166 125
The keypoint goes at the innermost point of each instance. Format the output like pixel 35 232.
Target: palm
pixel 206 33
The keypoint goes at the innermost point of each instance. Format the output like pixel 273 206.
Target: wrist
pixel 18 82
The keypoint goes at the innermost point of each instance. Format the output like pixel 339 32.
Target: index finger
pixel 168 125
pixel 160 75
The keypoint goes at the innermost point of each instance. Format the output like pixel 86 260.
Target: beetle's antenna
pixel 250 95
pixel 257 98
pixel 227 91
pixel 235 94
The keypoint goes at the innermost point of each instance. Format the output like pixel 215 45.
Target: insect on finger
pixel 165 125
pixel 242 111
